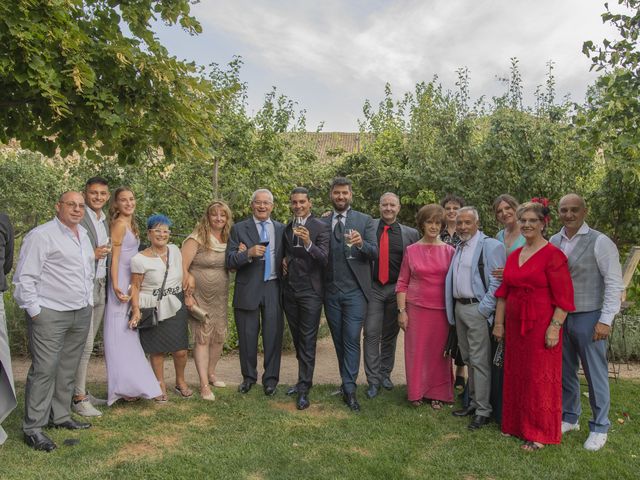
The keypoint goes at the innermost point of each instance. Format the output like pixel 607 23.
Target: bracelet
pixel 556 323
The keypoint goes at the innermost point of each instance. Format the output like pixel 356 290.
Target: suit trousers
pixel 56 341
pixel 380 333
pixel 99 300
pixel 268 315
pixel 475 347
pixel 303 309
pixel 345 314
pixel 577 344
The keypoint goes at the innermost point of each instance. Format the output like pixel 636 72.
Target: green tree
pixel 90 74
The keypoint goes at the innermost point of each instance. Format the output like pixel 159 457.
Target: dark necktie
pixel 338 230
pixel 383 258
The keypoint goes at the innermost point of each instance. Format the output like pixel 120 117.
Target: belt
pixel 467 301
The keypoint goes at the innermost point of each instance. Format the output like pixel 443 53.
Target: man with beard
pixel 348 282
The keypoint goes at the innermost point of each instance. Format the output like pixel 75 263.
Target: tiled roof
pixel 329 145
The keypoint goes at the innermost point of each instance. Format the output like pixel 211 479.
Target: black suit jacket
pixel 250 274
pixel 6 250
pixel 309 263
pixel 361 265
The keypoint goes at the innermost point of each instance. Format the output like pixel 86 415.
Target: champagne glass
pixel 296 224
pixel 108 245
pixel 348 234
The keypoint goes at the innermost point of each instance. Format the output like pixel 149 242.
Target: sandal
pixel 130 399
pixel 161 398
pixel 417 403
pixel 530 446
pixel 216 383
pixel 184 392
pixel 206 393
pixel 436 404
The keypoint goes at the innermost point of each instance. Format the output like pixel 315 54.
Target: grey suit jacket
pixel 361 265
pixel 87 223
pixel 249 274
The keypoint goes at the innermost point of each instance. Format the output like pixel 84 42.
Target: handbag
pixel 498 357
pixel 451 347
pixel 198 313
pixel 149 315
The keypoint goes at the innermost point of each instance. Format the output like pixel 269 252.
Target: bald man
pixel 594 264
pixel 54 286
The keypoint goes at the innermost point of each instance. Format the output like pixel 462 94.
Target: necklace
pixel 158 255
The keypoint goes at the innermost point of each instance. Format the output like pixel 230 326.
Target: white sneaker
pixel 97 402
pixel 595 441
pixel 85 409
pixel 567 427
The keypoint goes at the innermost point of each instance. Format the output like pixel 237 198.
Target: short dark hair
pixel 300 190
pixel 96 180
pixel 451 197
pixel 340 181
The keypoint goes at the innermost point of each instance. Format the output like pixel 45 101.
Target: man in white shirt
pixel 471 304
pixel 595 269
pixel 96 195
pixel 54 285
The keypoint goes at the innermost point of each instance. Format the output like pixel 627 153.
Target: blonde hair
pixel 202 230
pixel 114 213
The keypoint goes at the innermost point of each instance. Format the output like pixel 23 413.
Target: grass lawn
pixel 255 437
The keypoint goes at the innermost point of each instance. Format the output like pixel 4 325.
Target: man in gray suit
pixel 7 388
pixel 256 298
pixel 54 285
pixel 348 282
pixel 471 304
pixel 381 324
pixel 96 195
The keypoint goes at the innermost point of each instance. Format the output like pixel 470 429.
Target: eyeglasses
pixel 157 231
pixel 74 205
pixel 262 203
pixel 531 221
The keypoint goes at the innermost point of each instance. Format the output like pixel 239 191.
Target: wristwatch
pixel 400 310
pixel 555 323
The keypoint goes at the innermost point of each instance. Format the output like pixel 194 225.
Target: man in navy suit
pixel 348 282
pixel 256 297
pixel 306 250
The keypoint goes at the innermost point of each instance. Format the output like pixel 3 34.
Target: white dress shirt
pixel 55 269
pixel 608 261
pixel 101 230
pixel 271 248
pixel 462 279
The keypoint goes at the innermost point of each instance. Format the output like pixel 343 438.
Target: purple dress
pixel 129 374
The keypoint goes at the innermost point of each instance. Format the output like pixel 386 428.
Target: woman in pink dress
pixel 129 374
pixel 421 312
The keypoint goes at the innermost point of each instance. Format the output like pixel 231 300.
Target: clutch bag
pixel 199 314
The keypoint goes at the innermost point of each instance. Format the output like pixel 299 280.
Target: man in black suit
pixel 306 250
pixel 256 298
pixel 348 282
pixel 381 325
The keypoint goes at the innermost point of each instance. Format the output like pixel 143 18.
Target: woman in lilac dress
pixel 422 315
pixel 129 374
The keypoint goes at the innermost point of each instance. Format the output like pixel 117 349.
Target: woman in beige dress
pixel 207 286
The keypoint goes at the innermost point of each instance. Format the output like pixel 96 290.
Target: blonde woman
pixel 207 286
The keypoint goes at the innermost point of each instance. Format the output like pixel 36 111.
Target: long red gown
pixel 532 392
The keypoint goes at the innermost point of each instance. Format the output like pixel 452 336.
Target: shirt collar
pixel 67 231
pixel 344 214
pixel 583 230
pixel 94 216
pixel 258 222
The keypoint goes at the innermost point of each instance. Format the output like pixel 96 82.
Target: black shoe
pixel 72 425
pixel 464 412
pixel 292 390
pixel 372 391
pixel 478 422
pixel 351 401
pixel 39 441
pixel 387 383
pixel 269 390
pixel 245 386
pixel 303 401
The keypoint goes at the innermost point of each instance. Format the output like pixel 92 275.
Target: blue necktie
pixel 264 237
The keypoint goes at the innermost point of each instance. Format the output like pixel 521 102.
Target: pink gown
pixel 129 374
pixel 422 278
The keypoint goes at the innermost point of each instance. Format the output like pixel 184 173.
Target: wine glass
pixel 264 243
pixel 348 235
pixel 296 224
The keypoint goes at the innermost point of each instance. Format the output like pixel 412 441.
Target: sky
pixel 330 56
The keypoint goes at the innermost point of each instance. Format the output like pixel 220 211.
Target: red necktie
pixel 383 259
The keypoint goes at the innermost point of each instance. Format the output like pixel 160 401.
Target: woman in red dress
pixel 421 312
pixel 536 294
